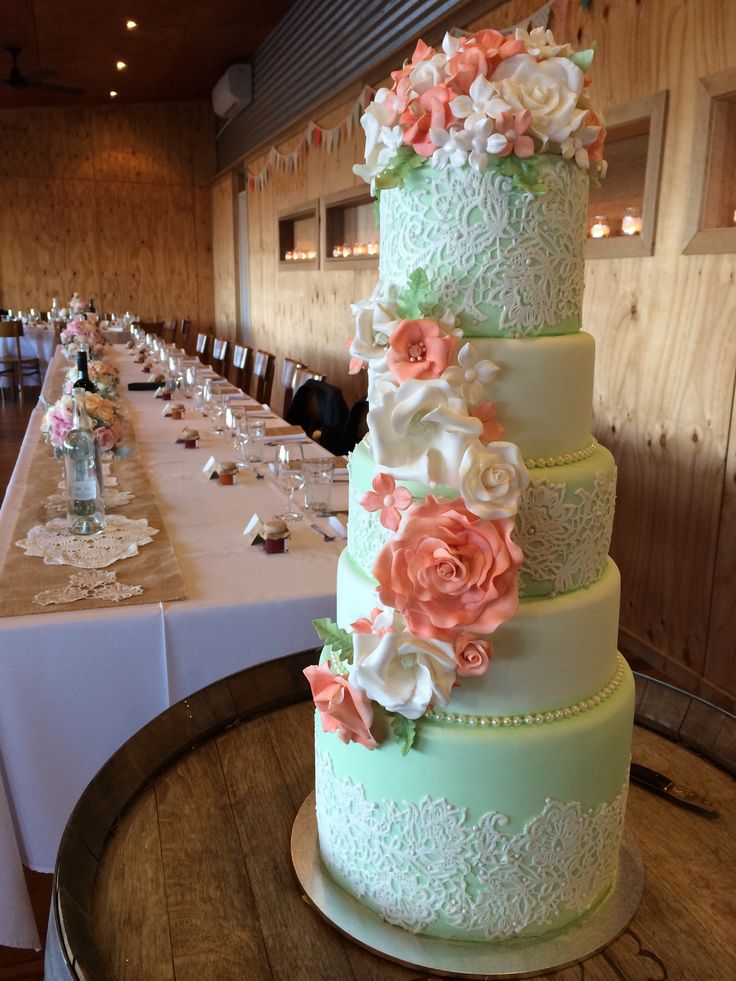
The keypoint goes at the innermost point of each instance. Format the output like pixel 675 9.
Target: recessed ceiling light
pixel 120 65
pixel 113 93
pixel 131 24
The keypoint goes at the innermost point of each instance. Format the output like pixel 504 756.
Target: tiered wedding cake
pixel 474 716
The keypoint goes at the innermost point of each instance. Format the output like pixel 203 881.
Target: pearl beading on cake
pixel 533 718
pixel 562 460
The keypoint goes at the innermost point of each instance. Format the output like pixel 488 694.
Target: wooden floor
pixel 21 965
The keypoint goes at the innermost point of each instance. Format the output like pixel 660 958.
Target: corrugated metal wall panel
pixel 319 48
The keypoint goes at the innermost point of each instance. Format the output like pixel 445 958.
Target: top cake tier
pixel 507 263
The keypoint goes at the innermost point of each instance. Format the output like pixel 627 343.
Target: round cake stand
pixel 464 959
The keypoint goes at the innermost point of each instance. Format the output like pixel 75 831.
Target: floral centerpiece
pixel 485 100
pixel 83 329
pixel 105 416
pixel 104 376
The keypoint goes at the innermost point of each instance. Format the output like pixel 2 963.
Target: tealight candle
pixel 311 254
pixel 600 227
pixel 337 252
pixel 373 248
pixel 289 256
pixel 631 222
pixel 346 251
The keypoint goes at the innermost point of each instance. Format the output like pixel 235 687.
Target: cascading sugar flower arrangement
pixel 104 414
pixel 484 100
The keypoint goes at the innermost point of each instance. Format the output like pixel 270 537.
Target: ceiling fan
pixel 35 80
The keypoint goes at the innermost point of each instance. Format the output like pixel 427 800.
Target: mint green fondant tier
pixel 563 526
pixel 480 834
pixel 551 653
pixel 506 262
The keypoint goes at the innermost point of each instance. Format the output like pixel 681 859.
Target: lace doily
pixel 565 543
pixel 109 481
pixel 56 546
pixel 490 250
pixel 419 864
pixel 113 499
pixel 88 585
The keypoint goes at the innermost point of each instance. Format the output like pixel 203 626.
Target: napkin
pixel 285 432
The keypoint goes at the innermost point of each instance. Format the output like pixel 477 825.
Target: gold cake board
pixel 511 959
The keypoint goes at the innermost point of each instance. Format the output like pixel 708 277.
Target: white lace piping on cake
pixel 565 543
pixel 88 585
pixel 57 546
pixel 533 718
pixel 537 463
pixel 420 864
pixel 487 246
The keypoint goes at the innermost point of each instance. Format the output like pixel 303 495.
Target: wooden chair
pixel 242 364
pixel 152 327
pixel 303 374
pixel 219 354
pixel 288 372
pixel 168 331
pixel 202 348
pixel 20 367
pixel 183 338
pixel 262 377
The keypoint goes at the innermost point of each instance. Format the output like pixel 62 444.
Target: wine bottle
pixel 85 505
pixel 83 380
pixel 91 306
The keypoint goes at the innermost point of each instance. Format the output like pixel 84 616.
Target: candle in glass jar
pixel 600 227
pixel 631 222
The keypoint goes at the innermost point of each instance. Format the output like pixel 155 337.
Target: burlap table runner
pixel 155 568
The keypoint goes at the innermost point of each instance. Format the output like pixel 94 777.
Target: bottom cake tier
pixel 499 829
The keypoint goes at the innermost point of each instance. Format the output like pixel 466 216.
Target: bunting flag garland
pixel 331 138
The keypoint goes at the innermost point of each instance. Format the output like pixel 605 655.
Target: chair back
pixel 185 327
pixel 356 425
pixel 262 377
pixel 288 372
pixel 219 354
pixel 303 374
pixel 11 328
pixel 202 348
pixel 240 368
pixel 152 327
pixel 168 331
pixel 320 409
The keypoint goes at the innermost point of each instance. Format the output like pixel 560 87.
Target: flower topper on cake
pixel 484 100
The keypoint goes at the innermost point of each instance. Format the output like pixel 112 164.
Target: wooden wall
pixel 664 326
pixel 111 201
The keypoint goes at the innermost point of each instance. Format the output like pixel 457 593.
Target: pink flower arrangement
pixel 343 709
pixel 448 570
pixel 389 499
pixel 417 349
pixel 107 423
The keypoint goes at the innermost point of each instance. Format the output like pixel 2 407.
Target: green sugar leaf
pixel 417 298
pixel 402 163
pixel 339 640
pixel 583 59
pixel 405 731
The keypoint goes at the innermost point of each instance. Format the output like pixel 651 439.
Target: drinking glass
pixel 289 459
pixel 256 433
pixel 217 410
pixel 235 421
pixel 318 475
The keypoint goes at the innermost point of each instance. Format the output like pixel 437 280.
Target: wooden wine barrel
pixel 175 863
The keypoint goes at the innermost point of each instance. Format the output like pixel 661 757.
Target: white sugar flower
pixel 426 74
pixel 481 103
pixel 480 134
pixel 420 430
pixel 373 326
pixel 577 143
pixel 470 374
pixel 492 479
pixel 451 44
pixel 548 89
pixel 452 147
pixel 377 123
pixel 401 672
pixel 541 43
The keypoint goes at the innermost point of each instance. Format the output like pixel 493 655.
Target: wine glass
pixel 289 475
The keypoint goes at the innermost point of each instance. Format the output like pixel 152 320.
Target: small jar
pixel 226 472
pixel 275 536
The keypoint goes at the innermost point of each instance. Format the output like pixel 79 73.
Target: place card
pixel 252 531
pixel 337 526
pixel 210 468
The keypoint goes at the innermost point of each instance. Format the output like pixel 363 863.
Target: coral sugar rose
pixel 418 350
pixel 448 570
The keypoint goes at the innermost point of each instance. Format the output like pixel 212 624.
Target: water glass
pixel 289 461
pixel 217 410
pixel 318 476
pixel 256 433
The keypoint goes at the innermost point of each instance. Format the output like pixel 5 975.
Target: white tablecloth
pixel 75 686
pixel 37 342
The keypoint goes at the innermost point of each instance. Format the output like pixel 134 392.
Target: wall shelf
pixel 299 233
pixel 348 218
pixel 634 147
pixel 712 220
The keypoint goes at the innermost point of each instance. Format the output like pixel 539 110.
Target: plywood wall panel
pixel 111 201
pixel 225 255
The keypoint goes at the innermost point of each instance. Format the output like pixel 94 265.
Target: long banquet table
pixel 75 685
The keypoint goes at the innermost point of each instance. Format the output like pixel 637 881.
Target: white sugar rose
pixel 492 479
pixel 401 672
pixel 548 89
pixel 420 430
pixel 374 324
